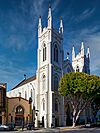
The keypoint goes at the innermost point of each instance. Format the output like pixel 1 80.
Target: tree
pixel 80 89
pixel 95 106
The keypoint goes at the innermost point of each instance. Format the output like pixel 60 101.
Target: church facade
pixel 43 88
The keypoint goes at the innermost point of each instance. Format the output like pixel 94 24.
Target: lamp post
pixel 30 115
pixel 33 112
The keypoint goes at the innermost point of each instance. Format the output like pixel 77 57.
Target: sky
pixel 18 33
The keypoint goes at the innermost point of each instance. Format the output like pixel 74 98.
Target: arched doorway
pixel 19 116
pixel 42 121
pixel 57 122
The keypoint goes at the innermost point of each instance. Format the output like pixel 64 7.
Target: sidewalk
pixel 52 129
pixel 57 129
pixel 70 127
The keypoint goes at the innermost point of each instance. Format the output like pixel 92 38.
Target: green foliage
pixel 79 84
pixel 80 90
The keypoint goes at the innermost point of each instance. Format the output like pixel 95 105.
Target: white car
pixel 4 128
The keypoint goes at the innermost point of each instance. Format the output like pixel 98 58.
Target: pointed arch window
pixel 19 113
pixel 25 95
pixel 43 82
pixel 19 94
pixel 56 83
pixel 56 105
pixel 44 52
pixel 43 104
pixel 31 93
pixel 19 110
pixel 55 53
pixel 77 69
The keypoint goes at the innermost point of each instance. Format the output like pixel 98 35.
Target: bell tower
pixel 50 64
pixel 81 62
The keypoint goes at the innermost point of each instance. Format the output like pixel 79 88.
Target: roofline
pixel 17 97
pixel 25 81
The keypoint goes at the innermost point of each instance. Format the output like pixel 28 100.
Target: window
pixel 43 104
pixel 25 95
pixel 44 52
pixel 77 69
pixel 56 83
pixel 56 53
pixel 19 110
pixel 19 94
pixel 31 93
pixel 56 105
pixel 43 82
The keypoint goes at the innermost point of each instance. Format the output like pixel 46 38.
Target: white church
pixel 43 87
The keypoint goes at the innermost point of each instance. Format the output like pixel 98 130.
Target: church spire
pixel 40 26
pixel 61 26
pixel 82 49
pixel 49 17
pixel 73 53
pixel 88 53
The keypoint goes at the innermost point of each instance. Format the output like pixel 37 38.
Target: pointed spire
pixel 49 12
pixel 61 26
pixel 40 26
pixel 82 49
pixel 88 52
pixel 73 53
pixel 73 50
pixel 49 17
pixel 82 46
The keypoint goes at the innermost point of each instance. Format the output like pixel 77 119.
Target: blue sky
pixel 18 33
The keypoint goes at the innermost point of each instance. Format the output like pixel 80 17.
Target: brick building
pixel 3 103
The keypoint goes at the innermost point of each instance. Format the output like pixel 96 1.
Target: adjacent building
pixel 3 103
pixel 19 111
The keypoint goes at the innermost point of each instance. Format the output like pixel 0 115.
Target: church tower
pixel 49 72
pixel 81 62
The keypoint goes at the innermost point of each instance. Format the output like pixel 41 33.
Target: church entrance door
pixel 56 122
pixel 19 118
pixel 42 121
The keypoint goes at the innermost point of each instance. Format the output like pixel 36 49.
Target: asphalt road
pixel 80 130
pixel 83 130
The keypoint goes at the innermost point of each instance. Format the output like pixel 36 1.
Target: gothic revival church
pixel 43 88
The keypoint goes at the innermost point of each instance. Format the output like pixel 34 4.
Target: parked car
pixel 4 128
pixel 90 124
pixel 11 126
pixel 30 126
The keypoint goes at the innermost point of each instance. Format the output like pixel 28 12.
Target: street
pixel 63 130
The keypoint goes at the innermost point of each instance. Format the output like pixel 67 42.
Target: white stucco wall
pixel 24 88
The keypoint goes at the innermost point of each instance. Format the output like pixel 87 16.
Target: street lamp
pixel 30 102
pixel 33 112
pixel 34 95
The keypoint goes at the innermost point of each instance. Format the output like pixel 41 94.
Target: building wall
pixel 28 88
pixel 2 103
pixel 13 103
